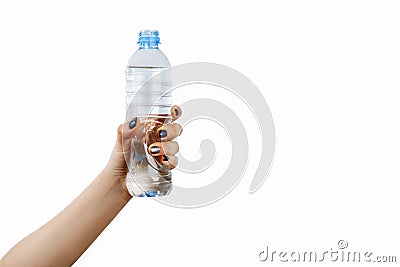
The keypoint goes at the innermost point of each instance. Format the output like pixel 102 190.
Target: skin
pixel 62 240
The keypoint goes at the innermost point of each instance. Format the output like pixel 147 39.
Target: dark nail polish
pixel 176 111
pixel 155 150
pixel 165 158
pixel 132 124
pixel 162 133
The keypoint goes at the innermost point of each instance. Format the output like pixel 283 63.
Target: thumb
pixel 126 132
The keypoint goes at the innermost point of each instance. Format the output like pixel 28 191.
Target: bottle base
pixel 154 189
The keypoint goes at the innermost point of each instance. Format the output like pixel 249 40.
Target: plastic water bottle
pixel 148 99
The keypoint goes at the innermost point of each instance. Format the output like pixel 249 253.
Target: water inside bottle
pixel 147 92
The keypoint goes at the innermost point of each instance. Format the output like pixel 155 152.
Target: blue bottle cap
pixel 148 39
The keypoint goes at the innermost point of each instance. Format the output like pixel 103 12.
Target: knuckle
pixel 119 129
pixel 175 144
pixel 178 129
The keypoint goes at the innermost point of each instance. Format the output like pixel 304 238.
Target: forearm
pixel 63 239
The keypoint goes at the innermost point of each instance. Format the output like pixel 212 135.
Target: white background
pixel 329 71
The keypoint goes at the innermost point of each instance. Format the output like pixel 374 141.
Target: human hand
pixel 162 147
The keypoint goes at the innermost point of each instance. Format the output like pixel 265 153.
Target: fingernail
pixel 165 158
pixel 162 133
pixel 132 124
pixel 176 112
pixel 155 150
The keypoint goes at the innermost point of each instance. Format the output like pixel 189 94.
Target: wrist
pixel 118 181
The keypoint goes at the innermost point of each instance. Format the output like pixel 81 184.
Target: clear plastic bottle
pixel 150 102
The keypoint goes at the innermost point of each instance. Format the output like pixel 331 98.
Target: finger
pixel 124 132
pixel 162 148
pixel 129 130
pixel 169 131
pixel 176 112
pixel 170 161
